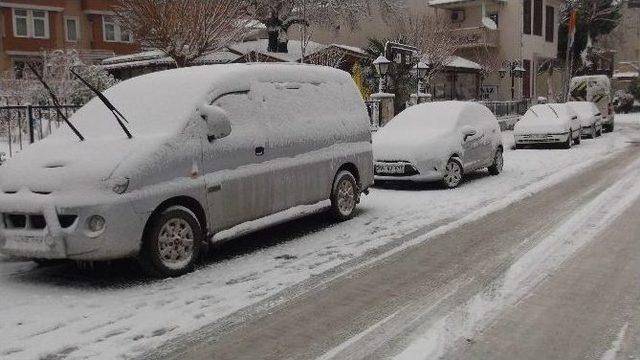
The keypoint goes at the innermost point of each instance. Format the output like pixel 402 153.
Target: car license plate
pixel 390 168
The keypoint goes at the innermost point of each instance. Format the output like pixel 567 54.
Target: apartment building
pixel 27 28
pixel 527 32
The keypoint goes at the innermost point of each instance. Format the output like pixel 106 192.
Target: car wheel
pixel 498 163
pixel 452 174
pixel 172 243
pixel 599 132
pixel 344 196
pixel 578 139
pixel 594 133
pixel 567 144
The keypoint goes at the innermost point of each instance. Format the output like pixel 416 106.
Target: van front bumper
pixel 38 226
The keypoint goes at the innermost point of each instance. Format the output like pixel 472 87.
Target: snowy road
pixel 111 313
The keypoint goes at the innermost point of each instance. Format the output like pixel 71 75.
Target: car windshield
pixel 562 110
pixel 434 117
pixel 152 104
pixel 540 112
pixel 583 108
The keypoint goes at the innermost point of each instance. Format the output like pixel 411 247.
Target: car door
pixel 235 166
pixel 471 144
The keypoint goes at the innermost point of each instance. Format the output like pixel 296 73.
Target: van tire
pixel 345 195
pixel 498 163
pixel 163 225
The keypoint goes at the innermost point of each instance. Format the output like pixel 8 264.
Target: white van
pixel 595 89
pixel 212 147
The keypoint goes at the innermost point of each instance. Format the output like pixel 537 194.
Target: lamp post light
pixel 421 70
pixel 515 70
pixel 382 67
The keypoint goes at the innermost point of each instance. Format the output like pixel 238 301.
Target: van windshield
pixel 154 104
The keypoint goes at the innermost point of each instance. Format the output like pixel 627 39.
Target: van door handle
pixel 260 151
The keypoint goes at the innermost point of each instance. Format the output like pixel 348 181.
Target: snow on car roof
pixel 583 107
pixel 160 103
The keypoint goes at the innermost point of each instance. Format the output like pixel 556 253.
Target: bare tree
pixel 279 15
pixel 432 35
pixel 184 29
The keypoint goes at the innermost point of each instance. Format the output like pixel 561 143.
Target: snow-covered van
pixel 211 147
pixel 596 89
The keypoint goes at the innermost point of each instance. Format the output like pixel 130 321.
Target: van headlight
pixel 120 185
pixel 96 223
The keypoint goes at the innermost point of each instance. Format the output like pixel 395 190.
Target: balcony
pixel 473 37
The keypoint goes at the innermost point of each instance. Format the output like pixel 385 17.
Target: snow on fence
pixel 21 125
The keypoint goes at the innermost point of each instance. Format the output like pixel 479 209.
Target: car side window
pixel 241 110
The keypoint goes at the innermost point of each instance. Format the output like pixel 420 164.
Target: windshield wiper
pixel 55 101
pixel 118 115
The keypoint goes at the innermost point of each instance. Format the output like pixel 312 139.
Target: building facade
pixel 526 32
pixel 27 28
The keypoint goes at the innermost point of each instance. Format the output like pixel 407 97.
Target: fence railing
pixel 21 125
pixel 506 108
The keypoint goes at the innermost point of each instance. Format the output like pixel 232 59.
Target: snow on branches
pixel 184 29
pixel 279 15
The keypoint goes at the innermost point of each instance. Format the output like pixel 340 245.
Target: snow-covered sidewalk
pixel 53 311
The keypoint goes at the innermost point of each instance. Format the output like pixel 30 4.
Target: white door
pixel 235 166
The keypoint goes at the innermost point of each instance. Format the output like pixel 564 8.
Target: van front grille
pixel 35 221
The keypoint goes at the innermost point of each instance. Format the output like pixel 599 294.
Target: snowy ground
pixel 112 313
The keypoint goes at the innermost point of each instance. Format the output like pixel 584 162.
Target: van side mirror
pixel 218 124
pixel 468 131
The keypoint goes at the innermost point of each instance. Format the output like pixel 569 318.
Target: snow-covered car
pixel 212 147
pixel 596 89
pixel 590 117
pixel 438 141
pixel 546 124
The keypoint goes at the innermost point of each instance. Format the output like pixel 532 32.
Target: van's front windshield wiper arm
pixel 54 98
pixel 118 115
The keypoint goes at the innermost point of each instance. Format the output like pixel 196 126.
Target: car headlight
pixel 120 185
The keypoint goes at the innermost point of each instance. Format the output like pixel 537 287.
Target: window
pixel 550 23
pixel 495 18
pixel 18 69
pixel 71 28
pixel 113 32
pixel 537 17
pixel 31 23
pixel 526 17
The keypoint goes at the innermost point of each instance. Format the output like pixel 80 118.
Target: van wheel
pixel 452 174
pixel 344 196
pixel 172 243
pixel 498 163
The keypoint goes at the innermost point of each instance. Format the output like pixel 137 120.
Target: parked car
pixel 546 124
pixel 212 147
pixel 596 89
pixel 589 116
pixel 438 141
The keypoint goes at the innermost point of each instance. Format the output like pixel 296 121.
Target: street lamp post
pixel 382 67
pixel 515 70
pixel 421 70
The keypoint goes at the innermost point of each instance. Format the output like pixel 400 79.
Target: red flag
pixel 572 28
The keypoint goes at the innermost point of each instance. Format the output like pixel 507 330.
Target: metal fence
pixel 506 108
pixel 21 125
